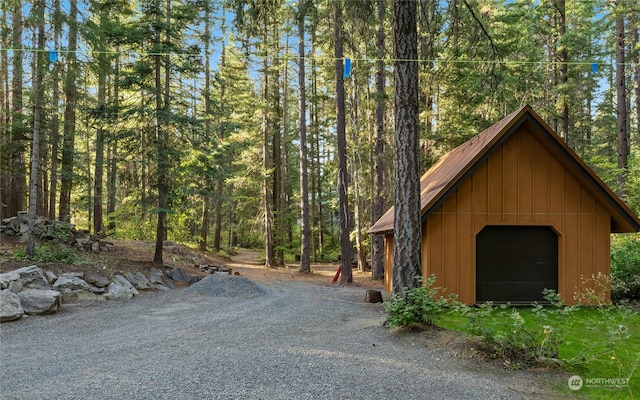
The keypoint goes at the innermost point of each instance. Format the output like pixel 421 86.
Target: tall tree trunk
pixel 377 256
pixel 305 228
pixel 98 222
pixel 55 123
pixel 68 139
pixel 206 195
pixel 635 28
pixel 15 198
pixel 268 243
pixel 343 184
pixel 622 133
pixel 284 163
pixel 34 177
pixel 217 235
pixel 5 119
pixel 407 226
pixel 276 167
pixel 162 132
pixel 356 164
pixel 113 159
pixel 563 58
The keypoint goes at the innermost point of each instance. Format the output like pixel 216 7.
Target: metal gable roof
pixel 443 177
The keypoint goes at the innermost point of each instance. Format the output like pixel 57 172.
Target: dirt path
pixel 246 257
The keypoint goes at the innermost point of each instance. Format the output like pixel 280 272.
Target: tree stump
pixel 373 296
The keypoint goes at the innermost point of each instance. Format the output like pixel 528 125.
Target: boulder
pixel 10 307
pixel 121 288
pixel 51 277
pixel 68 283
pixel 40 302
pixel 98 280
pixel 74 288
pixel 138 280
pixel 178 274
pixel 160 287
pixel 30 277
pixel 156 276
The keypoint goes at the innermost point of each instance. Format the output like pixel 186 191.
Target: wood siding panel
pixel 465 197
pixel 510 180
pixel 587 245
pixel 466 260
pixel 449 277
pixel 568 266
pixel 525 177
pixel 494 182
pixel 556 187
pixel 388 263
pixel 541 178
pixel 435 240
pixel 571 194
pixel 480 192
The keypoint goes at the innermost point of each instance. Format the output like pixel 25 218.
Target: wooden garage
pixel 511 212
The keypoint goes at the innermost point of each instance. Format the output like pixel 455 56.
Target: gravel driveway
pixel 273 340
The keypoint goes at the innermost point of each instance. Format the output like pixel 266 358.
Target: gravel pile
pixel 224 285
pixel 295 341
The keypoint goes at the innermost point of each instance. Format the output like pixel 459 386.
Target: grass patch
pixel 594 343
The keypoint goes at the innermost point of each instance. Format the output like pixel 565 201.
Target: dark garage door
pixel 515 263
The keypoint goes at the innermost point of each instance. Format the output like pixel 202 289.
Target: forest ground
pixel 137 256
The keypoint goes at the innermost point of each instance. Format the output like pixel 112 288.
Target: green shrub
pixel 508 336
pixel 625 268
pixel 49 253
pixel 419 308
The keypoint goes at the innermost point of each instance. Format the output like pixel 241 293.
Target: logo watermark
pixel 577 382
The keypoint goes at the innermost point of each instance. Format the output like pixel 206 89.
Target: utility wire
pixel 387 60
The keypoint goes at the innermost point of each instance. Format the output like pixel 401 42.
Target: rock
pixel 178 274
pixel 98 281
pixel 106 246
pixel 10 307
pixel 67 283
pixel 81 241
pixel 82 295
pixel 51 277
pixel 168 282
pixel 159 287
pixel 95 247
pixel 16 286
pixel 74 288
pixel 138 280
pixel 31 277
pixel 40 302
pixel 121 288
pixel 156 276
pixel 373 296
